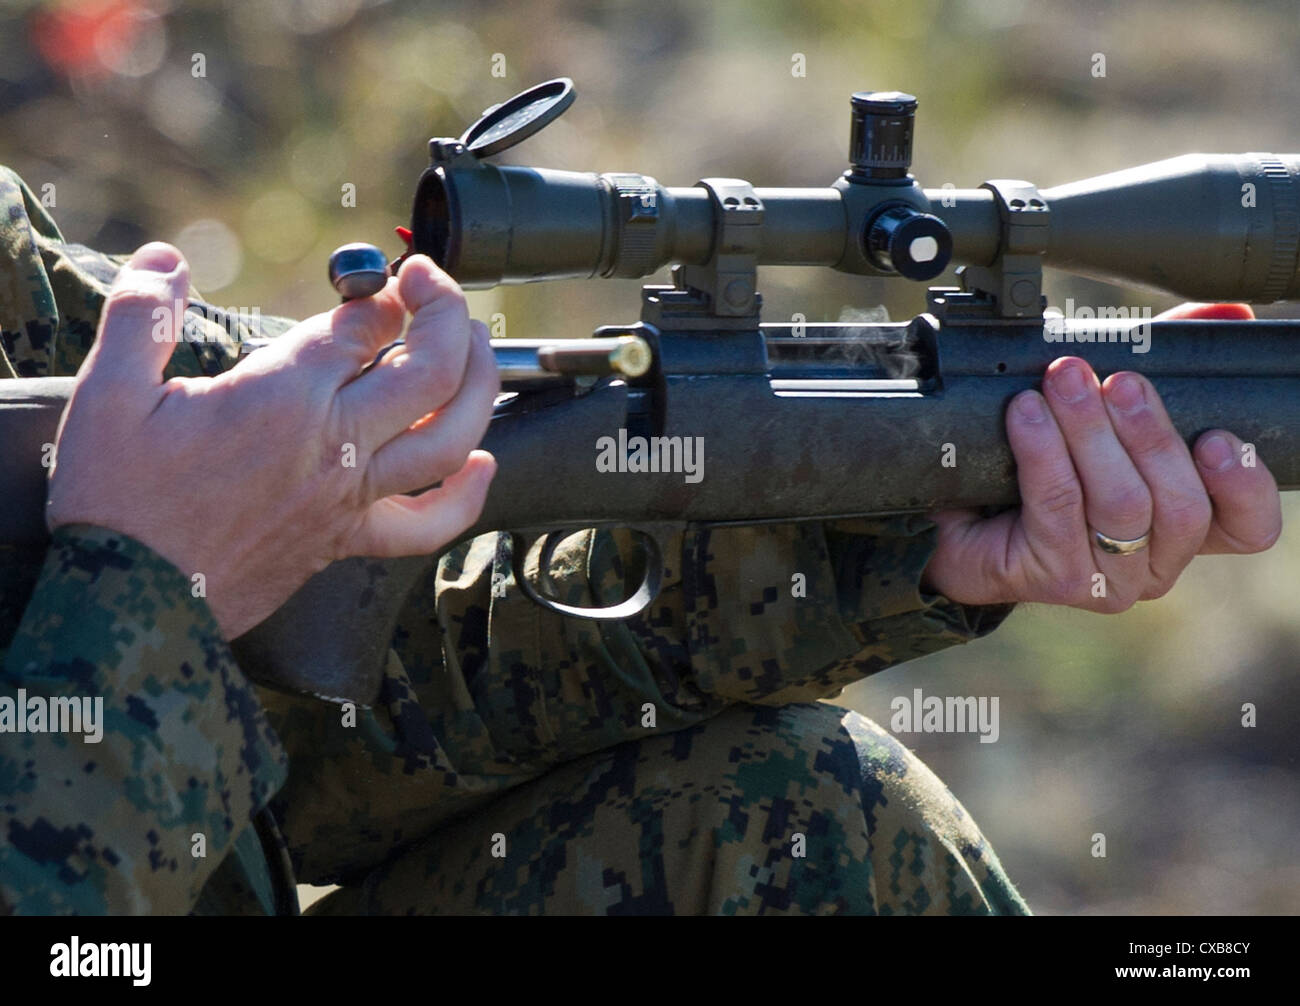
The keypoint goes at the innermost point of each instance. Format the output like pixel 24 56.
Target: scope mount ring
pixel 729 279
pixel 1015 280
pixel 528 112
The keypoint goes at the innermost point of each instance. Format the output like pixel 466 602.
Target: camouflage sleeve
pixel 52 291
pixel 134 755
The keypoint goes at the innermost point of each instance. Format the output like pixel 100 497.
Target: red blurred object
pixel 1218 312
pixel 71 36
pixel 405 234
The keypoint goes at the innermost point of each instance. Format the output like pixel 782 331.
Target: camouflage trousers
pixel 799 809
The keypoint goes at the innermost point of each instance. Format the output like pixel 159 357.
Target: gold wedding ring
pixel 1117 546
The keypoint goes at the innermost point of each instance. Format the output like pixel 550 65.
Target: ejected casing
pixel 532 360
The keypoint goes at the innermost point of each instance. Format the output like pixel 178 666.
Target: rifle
pixel 789 412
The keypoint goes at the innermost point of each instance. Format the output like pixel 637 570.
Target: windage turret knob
pixel 915 245
pixel 880 135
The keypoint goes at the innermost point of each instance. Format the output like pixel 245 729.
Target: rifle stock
pixel 771 453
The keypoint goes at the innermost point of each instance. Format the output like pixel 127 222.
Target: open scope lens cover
pixel 504 125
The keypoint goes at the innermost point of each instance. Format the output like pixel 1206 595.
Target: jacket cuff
pixel 878 566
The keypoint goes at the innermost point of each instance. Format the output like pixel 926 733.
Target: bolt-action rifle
pixel 800 421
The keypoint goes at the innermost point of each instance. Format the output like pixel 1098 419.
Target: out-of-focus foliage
pixel 1128 725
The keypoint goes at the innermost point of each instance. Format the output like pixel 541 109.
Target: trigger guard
pixel 546 544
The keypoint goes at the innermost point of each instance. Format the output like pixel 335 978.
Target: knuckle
pixel 140 299
pixel 452 295
pixel 1063 594
pixel 447 300
pixel 1187 516
pixel 1152 440
pixel 317 350
pixel 423 378
pixel 1072 589
pixel 1127 505
pixel 444 458
pixel 484 381
pixel 1063 497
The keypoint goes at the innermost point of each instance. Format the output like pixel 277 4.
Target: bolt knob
pixel 358 270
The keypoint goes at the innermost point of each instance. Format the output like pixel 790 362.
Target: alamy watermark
pixel 931 714
pixel 230 321
pixel 651 454
pixel 75 959
pixel 1101 324
pixel 61 714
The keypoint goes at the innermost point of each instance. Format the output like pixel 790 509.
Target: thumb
pixel 142 318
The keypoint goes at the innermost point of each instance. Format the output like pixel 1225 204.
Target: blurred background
pixel 231 129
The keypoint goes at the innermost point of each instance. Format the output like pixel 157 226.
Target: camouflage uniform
pixel 515 760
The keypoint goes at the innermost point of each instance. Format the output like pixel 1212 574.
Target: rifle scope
pixel 1203 226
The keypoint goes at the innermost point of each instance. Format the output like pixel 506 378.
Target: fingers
pixel 1113 461
pixel 1116 499
pixel 337 344
pixel 419 525
pixel 424 374
pixel 1181 509
pixel 1111 458
pixel 975 562
pixel 142 319
pixel 1247 507
pixel 1052 501
pixel 360 328
pixel 1247 511
pixel 437 445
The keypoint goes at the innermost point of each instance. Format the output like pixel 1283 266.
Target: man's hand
pixel 1105 458
pixel 261 477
